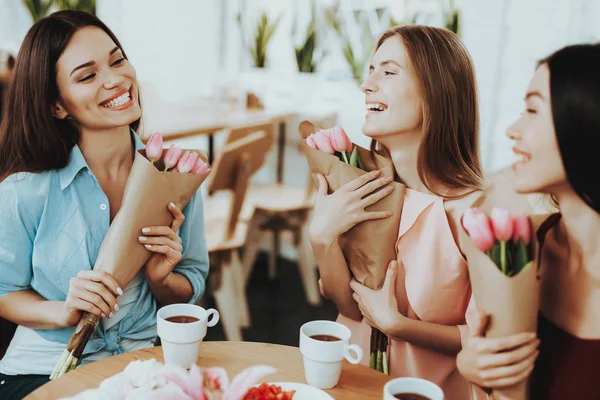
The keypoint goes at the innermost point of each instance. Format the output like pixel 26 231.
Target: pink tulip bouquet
pixel 335 141
pixel 504 238
pixel 369 246
pixel 503 275
pixel 157 178
pixel 152 380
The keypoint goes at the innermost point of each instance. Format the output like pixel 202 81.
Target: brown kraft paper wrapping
pixel 147 194
pixel 369 246
pixel 512 303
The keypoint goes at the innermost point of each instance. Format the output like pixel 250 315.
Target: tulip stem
pixel 503 257
pixel 345 157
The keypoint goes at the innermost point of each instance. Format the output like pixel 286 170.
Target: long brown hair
pixel 31 138
pixel 449 150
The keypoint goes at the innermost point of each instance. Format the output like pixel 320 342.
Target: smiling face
pixel 539 166
pixel 97 85
pixel 392 95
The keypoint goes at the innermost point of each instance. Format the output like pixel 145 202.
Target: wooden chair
pixel 226 233
pixel 279 208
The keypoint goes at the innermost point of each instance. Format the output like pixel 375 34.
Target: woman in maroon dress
pixel 557 142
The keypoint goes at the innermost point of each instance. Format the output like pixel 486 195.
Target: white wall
pixel 183 49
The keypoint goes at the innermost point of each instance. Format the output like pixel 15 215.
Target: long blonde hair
pixel 449 151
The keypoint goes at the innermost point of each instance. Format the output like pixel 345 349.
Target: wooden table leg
pixel 280 151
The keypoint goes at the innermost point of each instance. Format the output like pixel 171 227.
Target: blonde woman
pixel 421 98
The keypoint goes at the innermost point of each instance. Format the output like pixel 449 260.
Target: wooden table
pixel 184 119
pixel 356 383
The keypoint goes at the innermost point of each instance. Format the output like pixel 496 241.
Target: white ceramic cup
pixel 181 341
pixel 323 360
pixel 412 385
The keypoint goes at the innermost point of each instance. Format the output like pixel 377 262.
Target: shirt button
pixel 103 206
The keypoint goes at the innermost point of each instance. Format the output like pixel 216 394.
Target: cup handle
pixel 348 353
pixel 215 317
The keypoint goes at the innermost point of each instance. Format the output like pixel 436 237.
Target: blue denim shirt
pixel 51 227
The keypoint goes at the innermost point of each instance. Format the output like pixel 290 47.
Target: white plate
pixel 303 392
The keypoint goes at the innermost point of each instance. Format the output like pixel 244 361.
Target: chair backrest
pixel 235 164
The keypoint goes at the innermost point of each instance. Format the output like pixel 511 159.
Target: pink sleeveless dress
pixel 433 286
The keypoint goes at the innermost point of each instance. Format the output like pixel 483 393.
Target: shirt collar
pixel 77 162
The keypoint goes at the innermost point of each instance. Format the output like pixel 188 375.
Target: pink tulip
pixel 154 147
pixel 323 142
pixel 502 224
pixel 187 161
pixel 340 140
pixel 172 156
pixel 310 141
pixel 478 228
pixel 521 228
pixel 216 380
pixel 200 168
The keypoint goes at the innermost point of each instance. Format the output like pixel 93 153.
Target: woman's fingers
pixel 177 215
pixel 161 241
pixel 160 231
pixel 103 277
pixel 506 382
pixel 101 290
pixel 360 181
pixel 94 299
pixel 375 197
pixel 506 343
pixel 369 215
pixel 510 370
pixel 171 254
pixel 372 186
pixel 514 356
pixel 85 306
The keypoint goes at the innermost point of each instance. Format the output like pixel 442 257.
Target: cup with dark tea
pixel 181 328
pixel 324 345
pixel 412 389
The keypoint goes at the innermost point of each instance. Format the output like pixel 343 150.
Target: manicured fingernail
pixel 116 307
pixel 172 205
pixel 146 230
pixel 148 246
pixel 142 238
pixel 388 179
pixel 388 213
pixel 110 315
pixel 120 291
pixel 532 336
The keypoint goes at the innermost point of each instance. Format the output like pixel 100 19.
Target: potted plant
pixel 38 9
pixel 255 80
pixel 80 5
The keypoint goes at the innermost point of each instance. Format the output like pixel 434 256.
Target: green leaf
pixel 495 255
pixel 521 256
pixel 354 157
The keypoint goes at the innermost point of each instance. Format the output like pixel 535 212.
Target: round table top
pixel 356 382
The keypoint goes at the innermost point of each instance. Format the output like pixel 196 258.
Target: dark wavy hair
pixel 575 99
pixel 31 138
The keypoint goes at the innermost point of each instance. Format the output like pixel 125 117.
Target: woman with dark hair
pixel 68 139
pixel 422 112
pixel 556 141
